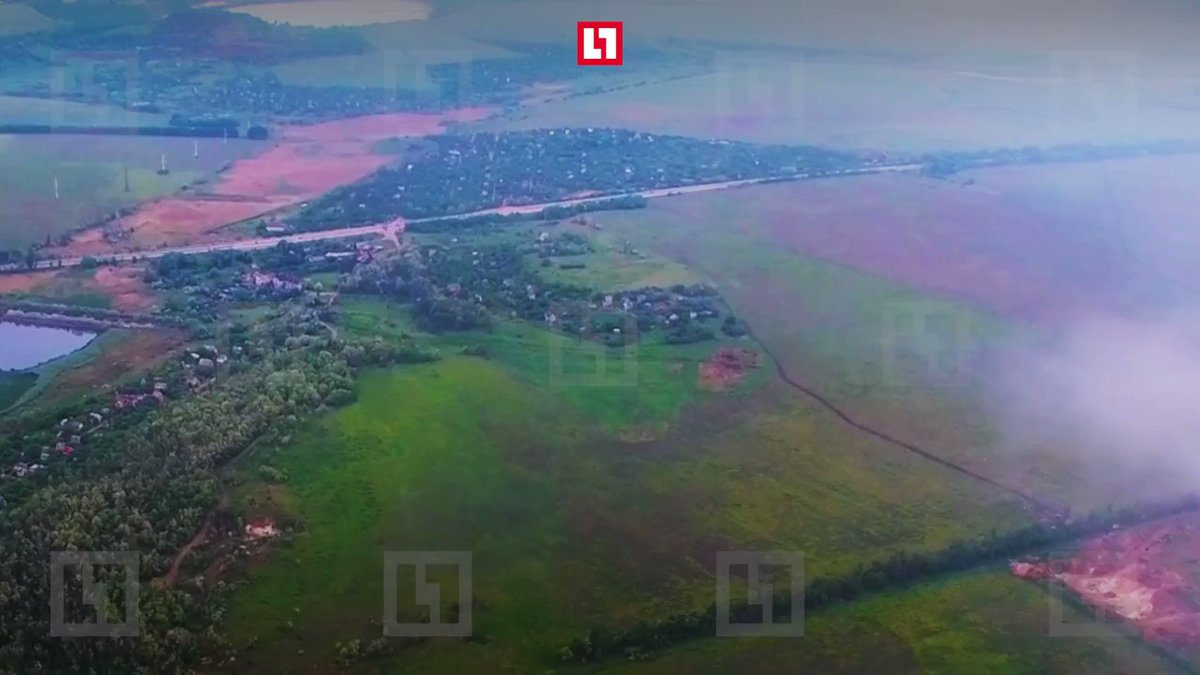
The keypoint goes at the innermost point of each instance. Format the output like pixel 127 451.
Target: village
pixel 70 438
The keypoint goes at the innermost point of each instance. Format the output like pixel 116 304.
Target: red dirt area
pixel 24 282
pixel 305 162
pixel 127 288
pixel 1142 575
pixel 726 368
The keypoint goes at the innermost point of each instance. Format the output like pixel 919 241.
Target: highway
pixel 392 229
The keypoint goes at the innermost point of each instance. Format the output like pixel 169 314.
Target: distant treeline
pixel 948 163
pixel 899 570
pixel 255 133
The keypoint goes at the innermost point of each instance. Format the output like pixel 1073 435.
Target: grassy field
pixel 636 390
pixel 986 622
pixel 571 522
pixel 91 178
pixel 904 361
pixel 21 110
pixel 13 387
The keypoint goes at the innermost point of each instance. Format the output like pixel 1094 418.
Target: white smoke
pixel 1122 393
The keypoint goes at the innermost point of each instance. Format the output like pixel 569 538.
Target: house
pixel 20 469
pixel 206 365
pixel 96 418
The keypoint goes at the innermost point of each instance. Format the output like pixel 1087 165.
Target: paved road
pixel 392 229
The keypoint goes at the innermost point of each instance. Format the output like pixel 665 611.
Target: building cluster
pixel 72 436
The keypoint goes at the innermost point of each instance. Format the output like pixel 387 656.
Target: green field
pixel 584 504
pixel 91 178
pixel 22 110
pixel 13 387
pixel 839 330
pixel 985 623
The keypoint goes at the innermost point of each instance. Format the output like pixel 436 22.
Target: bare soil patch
pixel 127 288
pixel 1144 576
pixel 24 282
pixel 727 367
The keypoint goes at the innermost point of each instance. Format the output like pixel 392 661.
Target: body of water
pixel 24 346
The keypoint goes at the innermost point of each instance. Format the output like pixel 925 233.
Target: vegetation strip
pixel 899 570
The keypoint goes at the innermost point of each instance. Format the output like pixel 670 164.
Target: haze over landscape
pixel 385 337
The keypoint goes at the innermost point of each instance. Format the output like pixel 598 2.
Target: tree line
pixel 897 571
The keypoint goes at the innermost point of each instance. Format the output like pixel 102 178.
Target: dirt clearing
pixel 23 282
pixel 1145 576
pixel 727 367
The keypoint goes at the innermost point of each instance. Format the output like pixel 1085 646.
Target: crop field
pixel 985 622
pixel 90 171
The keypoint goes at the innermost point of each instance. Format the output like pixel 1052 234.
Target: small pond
pixel 23 346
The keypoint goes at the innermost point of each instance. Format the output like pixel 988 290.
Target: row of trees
pixel 900 569
pixel 945 164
